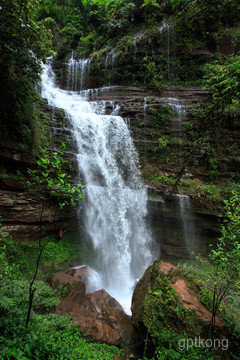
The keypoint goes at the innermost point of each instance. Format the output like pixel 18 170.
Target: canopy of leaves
pixel 223 80
pixel 24 42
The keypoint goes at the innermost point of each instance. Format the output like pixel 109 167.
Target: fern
pixel 5 303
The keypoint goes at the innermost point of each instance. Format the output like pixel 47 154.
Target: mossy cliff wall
pixel 21 208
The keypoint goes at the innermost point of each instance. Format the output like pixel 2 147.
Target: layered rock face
pixel 150 116
pixel 22 210
pixel 22 213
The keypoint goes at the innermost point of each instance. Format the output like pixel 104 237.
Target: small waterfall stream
pixel 167 33
pixel 115 203
pixel 110 59
pixel 179 109
pixel 78 70
pixel 188 226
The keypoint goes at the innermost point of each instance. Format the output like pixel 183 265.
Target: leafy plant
pixel 24 44
pixel 52 181
pixel 226 256
pixel 49 335
pixel 161 144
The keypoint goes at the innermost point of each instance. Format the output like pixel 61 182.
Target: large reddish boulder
pixel 102 318
pixel 71 290
pixel 98 315
pixel 82 272
pixel 186 296
pixel 190 300
pixel 91 277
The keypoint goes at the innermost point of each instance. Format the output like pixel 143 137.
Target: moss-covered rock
pixel 165 309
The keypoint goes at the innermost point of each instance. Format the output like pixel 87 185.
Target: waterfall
pixel 179 109
pixel 167 31
pixel 115 199
pixel 177 105
pixel 110 60
pixel 145 108
pixel 78 70
pixel 189 229
pixel 135 47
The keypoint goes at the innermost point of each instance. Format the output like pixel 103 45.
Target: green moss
pixel 162 307
pixel 62 290
pixel 169 323
pixel 56 256
pixel 18 176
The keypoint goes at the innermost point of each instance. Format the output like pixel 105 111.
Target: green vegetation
pixel 24 43
pixel 201 276
pixel 148 37
pixel 221 274
pixel 56 256
pixel 51 181
pixel 49 335
pixel 207 193
pixel 169 323
pixel 226 257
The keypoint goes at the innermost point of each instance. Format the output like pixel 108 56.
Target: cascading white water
pixel 77 72
pixel 144 108
pixel 167 33
pixel 115 204
pixel 179 109
pixel 177 105
pixel 135 47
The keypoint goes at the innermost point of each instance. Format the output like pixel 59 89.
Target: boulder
pixel 101 317
pixel 90 276
pixel 190 300
pixel 71 290
pixel 142 288
pixel 98 315
pixel 163 301
pixel 82 272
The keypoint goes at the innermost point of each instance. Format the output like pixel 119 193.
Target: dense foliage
pixel 155 42
pixel 151 42
pixel 211 123
pixel 49 336
pixel 226 255
pixel 169 323
pixel 52 180
pixel 24 43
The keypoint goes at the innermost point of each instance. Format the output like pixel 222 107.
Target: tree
pixel 24 43
pixel 223 82
pixel 52 182
pixel 226 255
